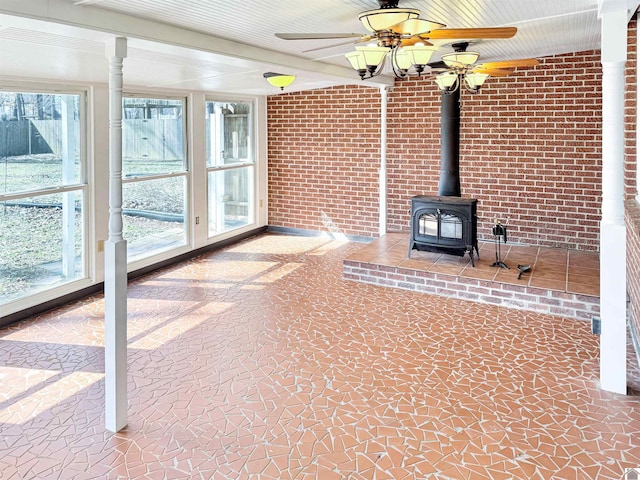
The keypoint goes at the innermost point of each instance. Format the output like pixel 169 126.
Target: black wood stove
pixel 445 225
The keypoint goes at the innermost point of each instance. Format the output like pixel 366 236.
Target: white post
pixel 613 279
pixel 382 182
pixel 68 198
pixel 115 282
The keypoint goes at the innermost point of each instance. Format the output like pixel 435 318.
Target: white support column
pixel 115 282
pixel 613 278
pixel 382 181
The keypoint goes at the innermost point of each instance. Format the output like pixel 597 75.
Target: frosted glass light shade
pixel 279 80
pixel 446 80
pixel 475 80
pixel 373 56
pixel 420 54
pixel 460 59
pixel 416 26
pixel 401 59
pixel 384 18
pixel 356 59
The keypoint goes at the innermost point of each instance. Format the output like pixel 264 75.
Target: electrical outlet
pixel 260 203
pixel 100 246
pixel 596 326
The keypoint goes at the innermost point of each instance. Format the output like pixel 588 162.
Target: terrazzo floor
pixel 259 362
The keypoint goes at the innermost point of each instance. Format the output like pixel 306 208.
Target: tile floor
pixel 259 362
pixel 564 270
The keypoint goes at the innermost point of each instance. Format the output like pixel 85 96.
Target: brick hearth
pixel 561 282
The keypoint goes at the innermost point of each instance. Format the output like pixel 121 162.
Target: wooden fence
pixel 156 139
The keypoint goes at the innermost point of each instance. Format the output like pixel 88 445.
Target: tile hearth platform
pixel 560 282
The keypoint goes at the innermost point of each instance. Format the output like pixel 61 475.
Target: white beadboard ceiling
pixel 225 46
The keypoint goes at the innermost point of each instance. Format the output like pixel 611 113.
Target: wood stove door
pixel 436 226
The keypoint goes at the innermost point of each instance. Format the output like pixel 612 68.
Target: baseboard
pixel 318 233
pixel 635 340
pixel 99 287
pixel 50 305
pixel 195 253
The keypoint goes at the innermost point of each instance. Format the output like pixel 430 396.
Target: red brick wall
pixel 632 218
pixel 632 209
pixel 530 153
pixel 630 113
pixel 324 156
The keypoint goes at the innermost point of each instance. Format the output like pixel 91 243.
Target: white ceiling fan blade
pixel 349 42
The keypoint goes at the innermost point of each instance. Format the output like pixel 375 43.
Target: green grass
pixel 31 238
pixel 31 246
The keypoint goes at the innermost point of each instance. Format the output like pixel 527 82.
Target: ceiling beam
pixel 610 5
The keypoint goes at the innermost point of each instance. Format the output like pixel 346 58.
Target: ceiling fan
pixel 462 64
pixel 401 36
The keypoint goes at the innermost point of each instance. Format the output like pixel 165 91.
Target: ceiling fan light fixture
pixel 420 54
pixel 279 80
pixel 475 80
pixel 447 81
pixel 357 60
pixel 373 56
pixel 401 60
pixel 416 26
pixel 367 60
pixel 460 59
pixel 385 18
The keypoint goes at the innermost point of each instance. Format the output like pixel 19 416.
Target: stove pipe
pixel 449 185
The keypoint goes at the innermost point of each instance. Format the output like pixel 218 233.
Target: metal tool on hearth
pixel 523 269
pixel 499 235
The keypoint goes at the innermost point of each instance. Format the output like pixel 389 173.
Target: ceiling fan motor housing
pixel 389 39
pixel 388 3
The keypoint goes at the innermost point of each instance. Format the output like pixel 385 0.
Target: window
pixel 42 193
pixel 230 165
pixel 154 175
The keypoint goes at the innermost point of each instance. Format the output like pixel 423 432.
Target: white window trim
pixel 88 216
pixel 186 100
pixel 255 163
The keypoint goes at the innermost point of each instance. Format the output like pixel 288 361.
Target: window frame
pixel 84 188
pixel 253 146
pixel 186 173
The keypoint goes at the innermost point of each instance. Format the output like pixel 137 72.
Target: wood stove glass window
pixel 428 224
pixel 450 225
